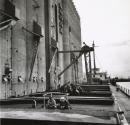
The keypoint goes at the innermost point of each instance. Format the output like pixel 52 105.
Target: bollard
pixel 34 105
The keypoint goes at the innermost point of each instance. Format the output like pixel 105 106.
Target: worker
pixel 51 103
pixel 64 103
pixel 117 88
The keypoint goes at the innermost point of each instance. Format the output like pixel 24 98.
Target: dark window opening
pixel 8 13
pixel 37 29
pixel 9 9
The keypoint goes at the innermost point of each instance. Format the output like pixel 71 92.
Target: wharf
pixel 123 88
pixel 124 102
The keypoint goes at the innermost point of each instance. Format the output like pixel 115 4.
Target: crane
pixel 84 50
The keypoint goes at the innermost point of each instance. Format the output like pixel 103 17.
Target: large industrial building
pixel 32 32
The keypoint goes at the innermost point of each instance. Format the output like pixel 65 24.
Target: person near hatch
pixel 51 103
pixel 64 103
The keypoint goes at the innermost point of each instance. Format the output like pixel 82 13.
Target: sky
pixel 107 22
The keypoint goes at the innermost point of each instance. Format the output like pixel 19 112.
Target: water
pixel 124 84
pixel 125 87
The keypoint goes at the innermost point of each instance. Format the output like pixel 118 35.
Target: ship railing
pixel 124 90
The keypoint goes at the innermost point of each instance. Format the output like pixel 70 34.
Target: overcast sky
pixel 107 22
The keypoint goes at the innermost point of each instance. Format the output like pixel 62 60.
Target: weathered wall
pixel 35 14
pixel 5 58
pixel 19 51
pixel 71 38
pixel 22 44
pixel 57 36
pixel 17 46
pixel 5 55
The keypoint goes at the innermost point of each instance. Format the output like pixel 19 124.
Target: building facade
pixel 31 34
pixel 72 41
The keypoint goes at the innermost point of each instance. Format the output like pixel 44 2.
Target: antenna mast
pixel 94 57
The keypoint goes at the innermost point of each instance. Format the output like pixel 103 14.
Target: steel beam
pixel 84 49
pixel 69 66
pixel 32 32
pixel 69 51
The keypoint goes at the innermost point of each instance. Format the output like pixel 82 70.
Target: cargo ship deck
pixel 85 110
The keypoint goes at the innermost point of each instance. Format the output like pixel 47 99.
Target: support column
pixel 90 69
pixel 47 42
pixel 86 66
